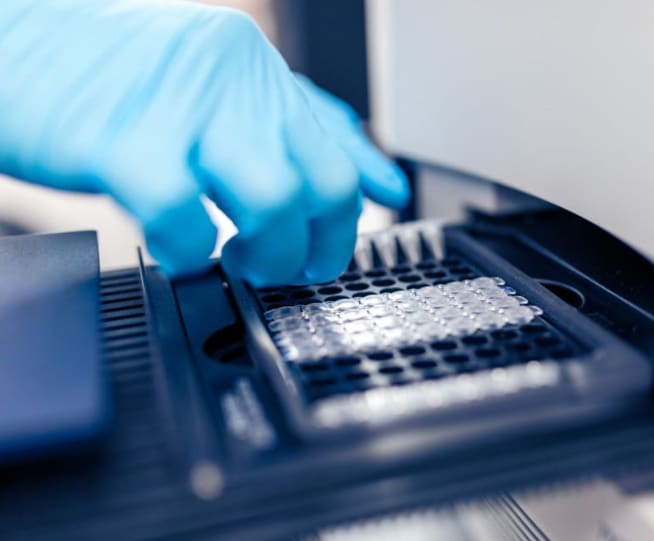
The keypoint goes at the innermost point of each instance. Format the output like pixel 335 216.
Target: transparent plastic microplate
pixel 393 320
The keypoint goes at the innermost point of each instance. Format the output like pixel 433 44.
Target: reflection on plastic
pixel 389 320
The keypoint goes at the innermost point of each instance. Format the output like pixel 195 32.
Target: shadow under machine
pixel 506 348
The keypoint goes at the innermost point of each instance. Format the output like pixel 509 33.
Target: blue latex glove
pixel 160 103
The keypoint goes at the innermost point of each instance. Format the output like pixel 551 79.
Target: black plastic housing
pixel 600 374
pixel 183 380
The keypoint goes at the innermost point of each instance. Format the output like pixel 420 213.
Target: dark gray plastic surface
pixel 52 392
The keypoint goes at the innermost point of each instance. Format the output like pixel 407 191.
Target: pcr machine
pixel 498 339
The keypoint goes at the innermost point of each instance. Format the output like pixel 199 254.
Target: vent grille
pixel 98 495
pixel 127 355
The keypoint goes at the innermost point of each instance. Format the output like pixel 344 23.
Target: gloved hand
pixel 160 103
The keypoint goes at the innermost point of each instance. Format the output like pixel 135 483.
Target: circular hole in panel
pixel 310 300
pixel 302 294
pixel 380 356
pixel 313 367
pixel 487 353
pixel 426 265
pixel 424 364
pixel 566 293
pixel 357 286
pixel 444 345
pixel 464 369
pixel 364 294
pixel 237 355
pixel 353 376
pixel 322 382
pixel 469 276
pixel 408 278
pixel 456 358
pixel 474 340
pixel 363 384
pixel 436 274
pixel 273 297
pixel 401 269
pixel 390 289
pixel 329 290
pixel 275 305
pixel 500 361
pixel 383 282
pixel 417 286
pixel 336 298
pixel 547 340
pixel 267 289
pixel 412 350
pixel 533 328
pixel 401 380
pixel 347 360
pixel 518 346
pixel 350 277
pixel 504 334
pixel 443 281
pixel 392 369
pixel 375 273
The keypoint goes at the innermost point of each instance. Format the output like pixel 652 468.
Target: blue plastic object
pixel 161 103
pixel 52 389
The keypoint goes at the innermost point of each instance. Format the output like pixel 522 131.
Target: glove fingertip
pixel 182 240
pixel 398 185
pixel 248 260
pixel 388 187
